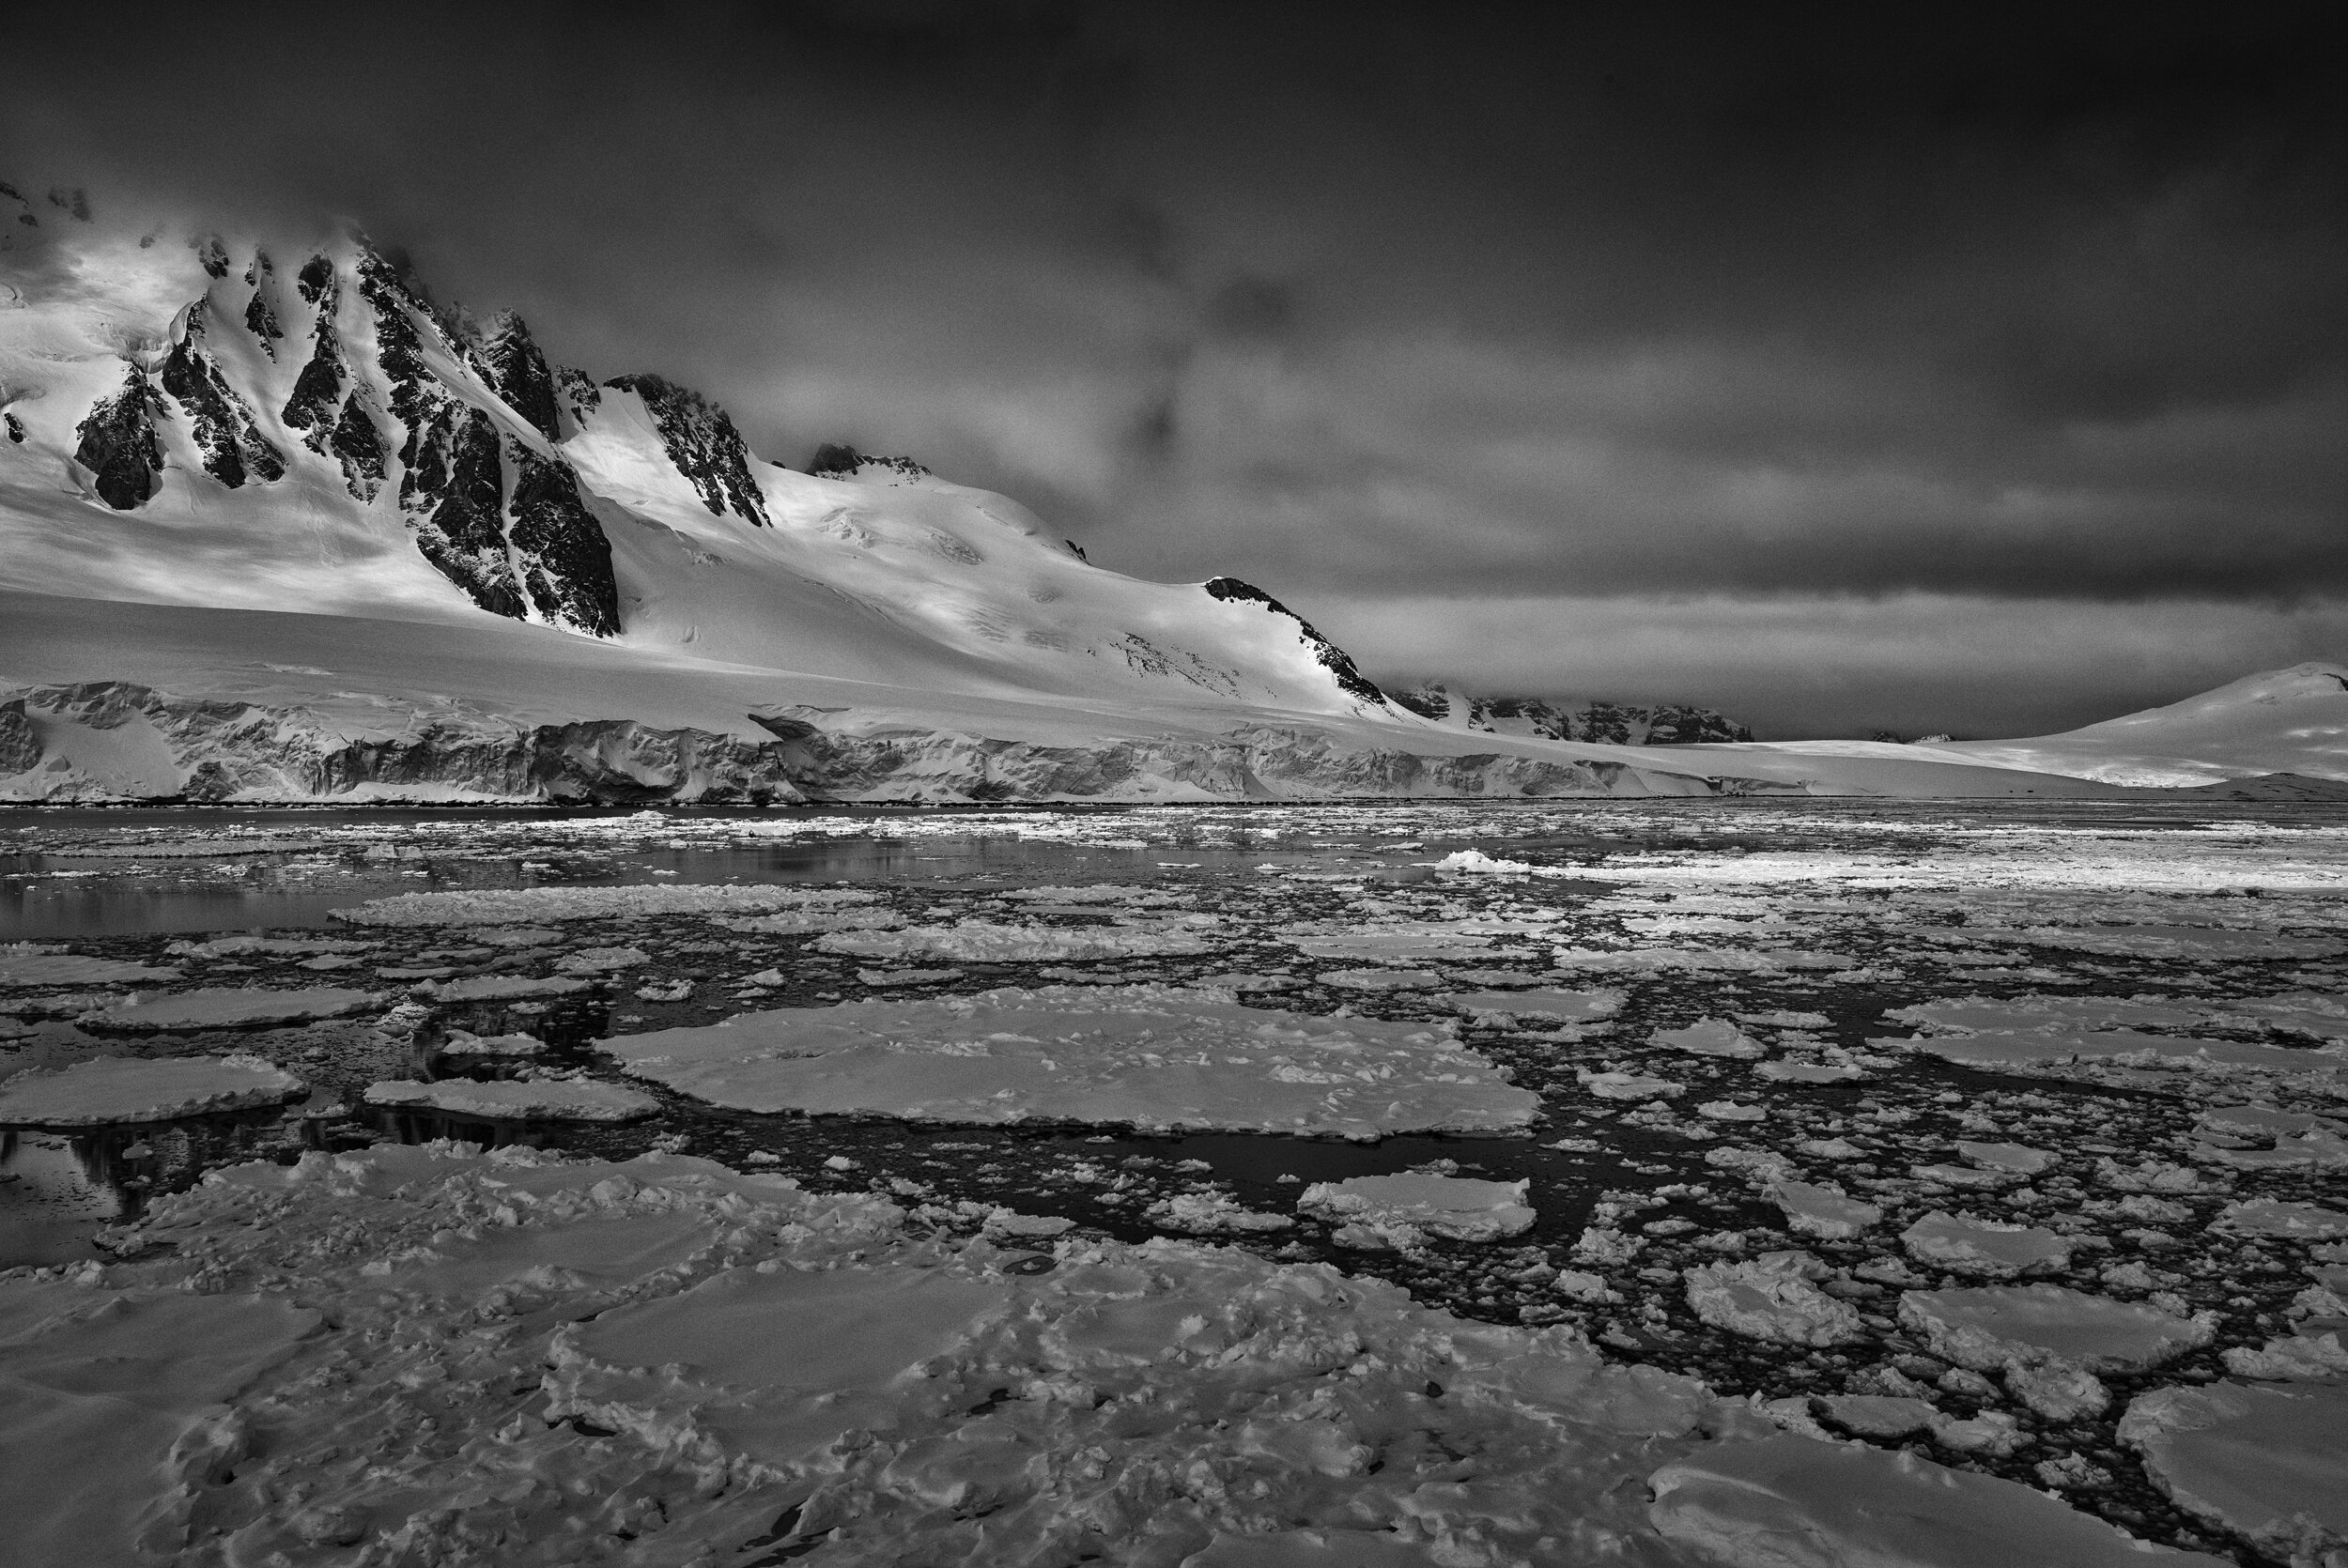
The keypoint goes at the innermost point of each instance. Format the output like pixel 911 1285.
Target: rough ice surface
pixel 1987 1247
pixel 1149 1056
pixel 1771 1298
pixel 113 1089
pixel 627 1315
pixel 540 1099
pixel 507 906
pixel 2269 1462
pixel 978 942
pixel 1795 1502
pixel 1991 1326
pixel 226 1007
pixel 115 1413
pixel 1401 1211
pixel 1213 1214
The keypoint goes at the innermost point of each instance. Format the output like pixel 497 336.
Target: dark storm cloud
pixel 1375 298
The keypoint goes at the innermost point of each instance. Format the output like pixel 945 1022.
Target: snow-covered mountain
pixel 1570 719
pixel 221 423
pixel 274 524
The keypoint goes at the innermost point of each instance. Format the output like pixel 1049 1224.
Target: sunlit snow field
pixel 1696 1132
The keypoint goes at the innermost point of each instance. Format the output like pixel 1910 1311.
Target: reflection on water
pixel 49 897
pixel 59 1188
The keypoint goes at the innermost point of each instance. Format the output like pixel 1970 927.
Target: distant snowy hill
pixel 2281 721
pixel 1568 718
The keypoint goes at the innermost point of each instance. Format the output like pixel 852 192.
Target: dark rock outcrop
pixel 316 275
pixel 833 461
pixel 118 444
pixel 517 372
pixel 1331 657
pixel 260 317
pixel 704 444
pixel 558 549
pixel 580 394
pixel 1600 722
pixel 453 492
pixel 359 447
pixel 540 550
pixel 210 253
pixel 233 447
pixel 15 428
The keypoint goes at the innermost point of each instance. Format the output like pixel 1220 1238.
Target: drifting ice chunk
pixel 978 942
pixel 2269 1464
pixel 227 1007
pixel 500 988
pixel 1566 1007
pixel 1411 942
pixel 2291 1357
pixel 2117 1048
pixel 1881 1416
pixel 1212 1214
pixel 1809 1072
pixel 2005 1156
pixel 1822 1211
pixel 1708 1037
pixel 1382 980
pixel 553 1099
pixel 115 1089
pixel 1628 1085
pixel 602 960
pixel 2000 1252
pixel 1989 1327
pixel 1801 1504
pixel 1152 1056
pixel 2300 1222
pixel 1402 1211
pixel 1771 1298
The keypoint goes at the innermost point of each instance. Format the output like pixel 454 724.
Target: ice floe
pixel 226 1007
pixel 1992 1248
pixel 1771 1298
pixel 1150 1056
pixel 1987 1328
pixel 1213 1214
pixel 1821 1211
pixel 116 1089
pixel 2268 1463
pixel 2301 1222
pixel 1797 1502
pixel 502 988
pixel 1401 1211
pixel 1709 1037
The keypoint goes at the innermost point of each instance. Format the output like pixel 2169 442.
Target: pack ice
pixel 430 1355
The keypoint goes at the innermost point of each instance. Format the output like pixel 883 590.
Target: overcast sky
pixel 1965 369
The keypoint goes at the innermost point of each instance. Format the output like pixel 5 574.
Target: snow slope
pixel 2292 721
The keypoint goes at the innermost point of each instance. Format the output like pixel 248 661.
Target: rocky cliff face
pixel 704 445
pixel 233 446
pixel 1563 719
pixel 117 442
pixel 68 744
